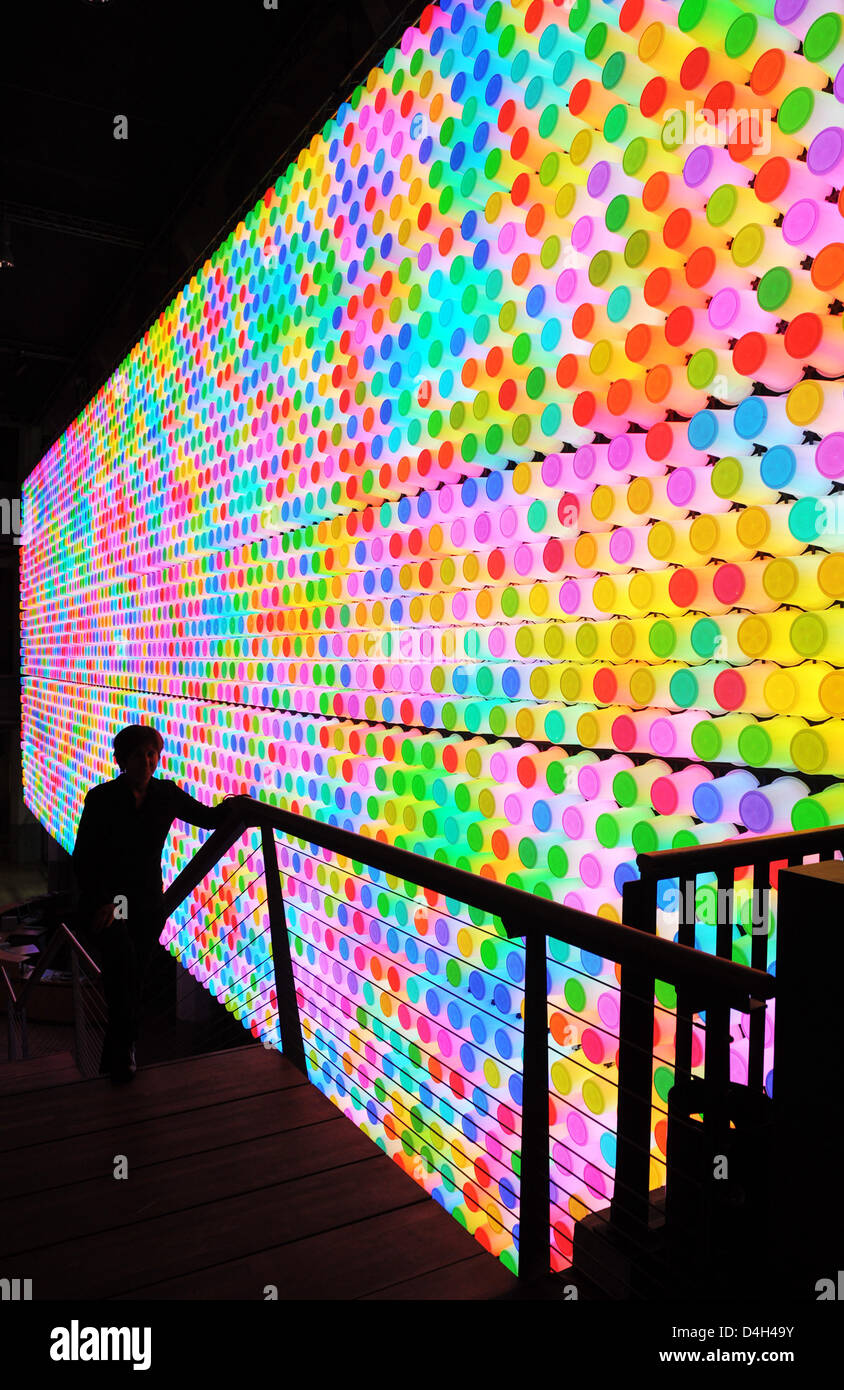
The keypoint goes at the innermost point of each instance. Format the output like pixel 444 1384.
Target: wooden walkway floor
pixel 239 1175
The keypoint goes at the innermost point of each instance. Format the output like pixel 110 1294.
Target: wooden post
pixel 292 1045
pixel 635 1074
pixel 808 1148
pixel 535 1181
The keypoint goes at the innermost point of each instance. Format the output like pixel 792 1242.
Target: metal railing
pixel 716 985
pixel 16 1000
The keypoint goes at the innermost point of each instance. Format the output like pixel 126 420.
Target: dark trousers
pixel 124 951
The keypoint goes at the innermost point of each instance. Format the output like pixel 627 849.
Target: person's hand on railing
pixel 235 805
pixel 103 917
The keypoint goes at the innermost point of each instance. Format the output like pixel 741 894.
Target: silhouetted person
pixel 117 861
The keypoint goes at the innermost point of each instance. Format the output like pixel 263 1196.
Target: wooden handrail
pixel 522 913
pixel 747 849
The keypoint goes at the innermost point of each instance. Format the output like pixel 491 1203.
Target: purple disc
pixel 698 166
pixel 566 286
pixel 724 308
pixel 826 150
pixel 619 453
pixel 756 812
pixel 582 232
pixel 838 84
pixel 785 11
pixel 680 487
pixel 570 596
pixel 800 221
pixel 829 456
pixel 599 177
pixel 584 461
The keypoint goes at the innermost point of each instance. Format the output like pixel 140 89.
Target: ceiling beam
pixel 67 224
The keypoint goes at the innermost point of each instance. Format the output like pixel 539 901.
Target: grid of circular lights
pixel 480 493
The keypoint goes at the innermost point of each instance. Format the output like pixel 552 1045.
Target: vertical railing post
pixel 290 1025
pixel 535 1181
pixel 76 994
pixel 635 1073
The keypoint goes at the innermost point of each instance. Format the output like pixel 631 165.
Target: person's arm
pixel 187 808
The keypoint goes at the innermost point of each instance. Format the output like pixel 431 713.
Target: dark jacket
pixel 119 844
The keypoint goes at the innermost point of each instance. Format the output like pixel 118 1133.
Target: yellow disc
pixel 831 692
pixel 651 41
pixel 602 502
pixel 600 358
pixel 809 752
pixel 640 496
pixel 754 636
pixel 642 686
pixel 805 401
pixel 623 638
pixel 571 684
pixel 565 200
pixel 603 593
pixel 780 579
pixel 640 590
pixel 781 692
pixel 593 1097
pixel 585 551
pixel 581 148
pixel 492 1074
pixel 525 724
pixel 464 942
pixel 704 533
pixel 522 478
pixel 588 730
pixel 492 211
pixel 438 605
pixel 661 540
pixel 525 640
pixel 471 568
pixel 538 598
pixel 607 910
pixel 554 640
pixel 539 683
pixel 752 527
pixel 486 802
pixel 561 1078
pixel 447 570
pixel 831 575
pixel 473 763
pixel 748 245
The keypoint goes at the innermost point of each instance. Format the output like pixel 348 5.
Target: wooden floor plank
pixel 394 1248
pixel 38 1073
pixel 105 1203
pixel 42 1167
pixel 478 1277
pixel 165 1089
pixel 241 1174
pixel 212 1233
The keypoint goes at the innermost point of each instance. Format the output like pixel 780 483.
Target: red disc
pixel 694 68
pixel 730 690
pixel 803 336
pixel 682 588
pixel 728 583
pixel 749 353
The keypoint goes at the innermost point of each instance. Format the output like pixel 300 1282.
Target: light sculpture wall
pixel 480 493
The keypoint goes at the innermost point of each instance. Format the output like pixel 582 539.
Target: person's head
pixel 137 749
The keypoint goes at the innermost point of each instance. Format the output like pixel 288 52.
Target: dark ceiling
pixel 217 97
